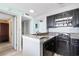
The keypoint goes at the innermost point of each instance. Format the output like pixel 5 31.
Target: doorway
pixel 5 35
pixel 25 27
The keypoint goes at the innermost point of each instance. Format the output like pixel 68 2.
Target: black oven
pixel 63 44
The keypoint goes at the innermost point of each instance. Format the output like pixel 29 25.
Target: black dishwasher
pixel 63 45
pixel 49 45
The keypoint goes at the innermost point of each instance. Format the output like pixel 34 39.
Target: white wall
pixel 26 27
pixel 25 19
pixel 18 32
pixel 43 25
pixel 14 33
pixel 33 30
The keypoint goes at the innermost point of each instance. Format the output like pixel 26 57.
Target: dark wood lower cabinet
pixel 63 45
pixel 74 47
pixel 67 47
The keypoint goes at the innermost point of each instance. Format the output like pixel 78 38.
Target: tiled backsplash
pixel 74 32
pixel 65 30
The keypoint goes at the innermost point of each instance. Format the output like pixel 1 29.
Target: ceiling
pixel 39 8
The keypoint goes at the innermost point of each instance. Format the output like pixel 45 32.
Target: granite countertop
pixel 42 38
pixel 32 36
pixel 39 37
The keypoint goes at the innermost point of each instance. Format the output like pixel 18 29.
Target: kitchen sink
pixel 44 37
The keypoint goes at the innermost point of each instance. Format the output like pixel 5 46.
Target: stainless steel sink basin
pixel 44 38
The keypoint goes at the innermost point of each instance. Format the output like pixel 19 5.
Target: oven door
pixel 62 47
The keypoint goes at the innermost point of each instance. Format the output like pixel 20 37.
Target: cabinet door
pixel 75 20
pixel 31 46
pixel 50 21
pixel 75 51
pixel 75 47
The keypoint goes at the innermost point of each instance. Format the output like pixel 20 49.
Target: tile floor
pixel 7 50
pixel 11 52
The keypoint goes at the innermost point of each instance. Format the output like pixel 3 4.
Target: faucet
pixel 37 32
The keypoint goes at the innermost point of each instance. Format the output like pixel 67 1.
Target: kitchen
pixel 60 37
pixel 52 29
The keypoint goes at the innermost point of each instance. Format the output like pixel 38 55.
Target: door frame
pixel 10 31
pixel 16 29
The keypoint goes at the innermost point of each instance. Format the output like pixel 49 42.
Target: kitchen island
pixel 33 44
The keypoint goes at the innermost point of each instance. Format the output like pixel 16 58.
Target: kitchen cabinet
pixel 31 46
pixel 64 19
pixel 50 22
pixel 75 19
pixel 75 47
pixel 66 45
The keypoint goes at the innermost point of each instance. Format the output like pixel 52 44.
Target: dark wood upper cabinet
pixel 75 19
pixel 51 20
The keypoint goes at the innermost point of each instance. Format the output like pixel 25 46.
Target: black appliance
pixel 62 44
pixel 50 45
